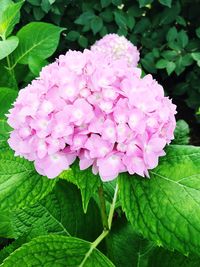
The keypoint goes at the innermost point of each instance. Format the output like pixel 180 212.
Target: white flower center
pixel 78 114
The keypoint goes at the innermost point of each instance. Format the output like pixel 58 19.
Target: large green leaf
pixel 20 185
pixel 8 46
pixel 3 5
pixel 166 207
pixel 57 251
pixel 36 63
pixel 43 42
pixel 7 97
pixel 61 212
pixel 9 18
pixel 86 181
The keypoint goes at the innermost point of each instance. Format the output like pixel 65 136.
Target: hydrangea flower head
pixel 104 114
pixel 117 47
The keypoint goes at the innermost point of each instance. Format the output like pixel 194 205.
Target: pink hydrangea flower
pixel 116 47
pixel 93 105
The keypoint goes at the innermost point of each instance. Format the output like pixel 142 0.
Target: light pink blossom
pixel 93 105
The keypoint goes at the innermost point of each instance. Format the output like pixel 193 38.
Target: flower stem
pixel 103 208
pixel 94 245
pixel 11 71
pixel 112 207
pixel 107 222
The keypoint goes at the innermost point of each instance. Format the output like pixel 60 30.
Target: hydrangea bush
pixel 76 147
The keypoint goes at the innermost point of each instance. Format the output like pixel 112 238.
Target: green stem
pixel 11 71
pixel 103 208
pixel 112 207
pixel 107 224
pixel 94 245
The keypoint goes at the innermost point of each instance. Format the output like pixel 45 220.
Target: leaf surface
pixel 20 184
pixel 86 181
pixel 57 251
pixel 166 207
pixel 38 38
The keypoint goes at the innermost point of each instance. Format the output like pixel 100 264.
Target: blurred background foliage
pixel 167 33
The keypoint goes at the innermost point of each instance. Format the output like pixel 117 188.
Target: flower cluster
pixel 93 105
pixel 115 47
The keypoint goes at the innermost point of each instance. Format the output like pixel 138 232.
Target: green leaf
pixel 36 63
pixel 83 41
pixel 8 46
pixel 85 18
pixel 126 248
pixel 105 3
pixel 181 21
pixel 180 67
pixel 4 131
pixel 55 250
pixel 170 67
pixel 169 55
pixel 34 2
pixel 3 5
pixel 103 31
pixel 9 18
pixel 117 2
pixel 120 19
pixel 6 227
pixel 43 43
pixel 162 257
pixel 166 207
pixel 172 35
pixel 145 2
pixel 96 24
pixel 182 133
pixel 149 62
pixel 107 15
pixel 170 14
pixel 86 181
pixel 60 212
pixel 142 25
pixel 20 185
pixel 38 13
pixel 161 64
pixel 135 11
pixel 187 60
pixel 122 32
pixel 45 5
pixel 166 2
pixel 7 97
pixel 5 76
pixel 198 32
pixel 72 36
pixel 196 56
pixel 182 39
pixel 130 21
